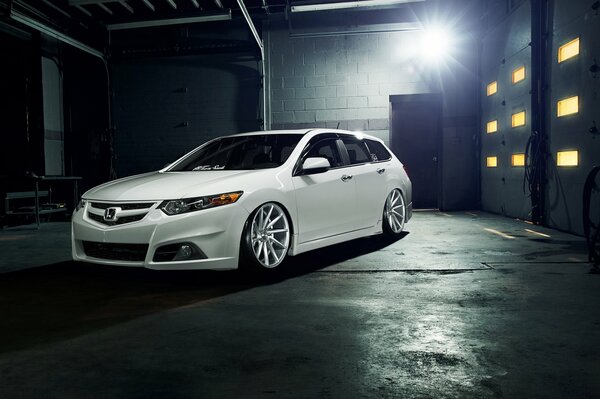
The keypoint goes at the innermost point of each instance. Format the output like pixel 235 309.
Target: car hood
pixel 169 185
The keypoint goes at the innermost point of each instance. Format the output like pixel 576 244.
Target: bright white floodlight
pixel 436 43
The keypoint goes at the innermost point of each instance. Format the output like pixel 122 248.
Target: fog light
pixel 178 252
pixel 185 252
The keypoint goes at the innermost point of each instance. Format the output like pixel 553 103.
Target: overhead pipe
pixel 221 16
pixel 30 22
pixel 262 57
pixel 349 4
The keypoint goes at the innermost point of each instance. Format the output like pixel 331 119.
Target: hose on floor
pixel 591 230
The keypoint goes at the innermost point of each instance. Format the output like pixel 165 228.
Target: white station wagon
pixel 251 199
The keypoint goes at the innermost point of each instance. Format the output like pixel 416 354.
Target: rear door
pixel 369 179
pixel 326 202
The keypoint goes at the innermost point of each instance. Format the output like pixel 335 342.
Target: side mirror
pixel 315 165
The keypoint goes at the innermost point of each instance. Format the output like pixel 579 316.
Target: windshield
pixel 241 153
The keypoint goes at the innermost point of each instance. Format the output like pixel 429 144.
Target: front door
pixel 326 201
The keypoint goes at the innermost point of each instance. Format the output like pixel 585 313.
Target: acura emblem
pixel 110 214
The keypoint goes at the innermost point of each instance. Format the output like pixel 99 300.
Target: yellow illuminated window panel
pixel 491 162
pixel 518 74
pixel 568 106
pixel 568 50
pixel 518 119
pixel 518 160
pixel 492 88
pixel 567 158
pixel 492 126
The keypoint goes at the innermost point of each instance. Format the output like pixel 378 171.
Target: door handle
pixel 346 177
pixel 380 171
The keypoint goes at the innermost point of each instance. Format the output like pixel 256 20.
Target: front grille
pixel 121 220
pixel 142 207
pixel 110 251
pixel 124 206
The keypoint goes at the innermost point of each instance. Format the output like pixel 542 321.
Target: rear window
pixel 378 151
pixel 357 152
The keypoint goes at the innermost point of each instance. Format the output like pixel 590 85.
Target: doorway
pixel 415 138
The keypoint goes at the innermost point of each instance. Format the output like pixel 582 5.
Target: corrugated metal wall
pixel 506 46
pixel 573 77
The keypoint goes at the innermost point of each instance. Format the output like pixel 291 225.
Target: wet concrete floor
pixel 465 305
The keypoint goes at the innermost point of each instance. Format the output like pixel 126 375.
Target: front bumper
pixel 217 232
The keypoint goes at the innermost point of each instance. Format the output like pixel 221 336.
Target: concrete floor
pixel 466 305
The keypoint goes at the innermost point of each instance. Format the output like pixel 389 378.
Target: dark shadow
pixel 321 258
pixel 65 300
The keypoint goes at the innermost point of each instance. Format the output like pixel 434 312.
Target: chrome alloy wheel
pixel 269 235
pixel 395 211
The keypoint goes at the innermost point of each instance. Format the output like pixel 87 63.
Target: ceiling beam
pixel 195 3
pixel 86 2
pixel 149 5
pixel 60 10
pixel 222 16
pixel 397 27
pixel 349 4
pixel 127 6
pixel 218 3
pixel 172 4
pixel 105 8
pixel 83 10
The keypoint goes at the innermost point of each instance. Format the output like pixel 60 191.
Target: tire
pixel 266 238
pixel 394 214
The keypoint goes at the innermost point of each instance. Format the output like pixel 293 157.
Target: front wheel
pixel 394 213
pixel 266 237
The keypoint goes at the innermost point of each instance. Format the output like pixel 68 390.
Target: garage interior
pixel 493 107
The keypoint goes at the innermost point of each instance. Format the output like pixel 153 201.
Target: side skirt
pixel 327 241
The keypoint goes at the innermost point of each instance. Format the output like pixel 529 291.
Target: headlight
pixel 82 203
pixel 177 207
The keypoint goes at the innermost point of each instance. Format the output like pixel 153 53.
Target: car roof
pixel 314 131
pixel 270 132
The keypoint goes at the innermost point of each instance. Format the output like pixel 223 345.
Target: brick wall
pixel 346 79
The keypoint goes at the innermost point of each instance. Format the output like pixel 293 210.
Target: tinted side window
pixel 357 151
pixel 378 151
pixel 326 148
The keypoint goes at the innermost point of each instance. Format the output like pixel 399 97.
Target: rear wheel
pixel 266 237
pixel 394 213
